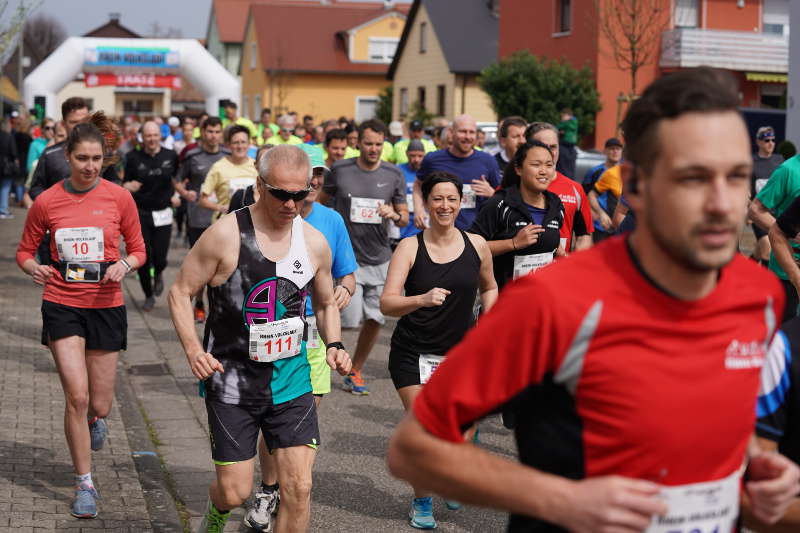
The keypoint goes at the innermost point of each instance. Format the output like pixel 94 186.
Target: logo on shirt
pixel 568 198
pixel 553 224
pixel 297 267
pixel 745 355
pixel 381 184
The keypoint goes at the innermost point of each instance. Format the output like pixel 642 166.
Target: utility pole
pixel 20 58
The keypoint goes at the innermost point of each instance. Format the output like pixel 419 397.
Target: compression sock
pixel 84 478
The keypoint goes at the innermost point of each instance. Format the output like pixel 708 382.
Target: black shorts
pixel 102 329
pixel 233 429
pixel 758 232
pixel 403 367
pixel 192 234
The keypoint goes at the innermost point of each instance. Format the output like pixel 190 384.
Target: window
pixel 772 96
pixel 440 100
pixel 776 17
pixel 381 49
pixel 365 107
pixel 421 97
pixel 252 56
pixel 245 106
pixel 257 106
pixel 423 37
pixel 137 106
pixel 687 13
pixel 564 13
pixel 403 101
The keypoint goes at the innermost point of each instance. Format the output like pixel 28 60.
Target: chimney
pixel 114 18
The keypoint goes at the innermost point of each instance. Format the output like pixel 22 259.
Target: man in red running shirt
pixel 639 380
pixel 577 210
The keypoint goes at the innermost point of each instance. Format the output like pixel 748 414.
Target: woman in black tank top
pixel 432 283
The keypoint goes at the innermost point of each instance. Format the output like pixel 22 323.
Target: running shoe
pixel 98 430
pixel 199 315
pixel 85 503
pixel 214 520
pixel 6 216
pixel 354 383
pixel 453 505
pixel 421 514
pixel 149 304
pixel 259 516
pixel 158 286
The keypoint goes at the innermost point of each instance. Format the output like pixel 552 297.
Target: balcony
pixel 732 50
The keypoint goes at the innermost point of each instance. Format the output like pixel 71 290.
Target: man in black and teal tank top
pixel 260 263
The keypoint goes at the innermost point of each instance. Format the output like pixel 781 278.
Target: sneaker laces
pixel 358 381
pixel 85 487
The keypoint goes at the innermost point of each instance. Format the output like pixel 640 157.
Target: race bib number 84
pixel 79 244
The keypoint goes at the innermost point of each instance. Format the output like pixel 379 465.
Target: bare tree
pixel 632 29
pixel 42 34
pixel 11 25
pixel 170 32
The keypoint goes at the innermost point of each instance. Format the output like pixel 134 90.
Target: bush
pixel 538 89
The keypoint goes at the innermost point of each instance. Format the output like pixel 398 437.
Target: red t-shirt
pixel 610 374
pixel 577 211
pixel 107 206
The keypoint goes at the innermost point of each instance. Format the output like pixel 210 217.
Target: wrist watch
pixel 338 345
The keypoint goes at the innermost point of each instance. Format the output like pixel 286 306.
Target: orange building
pixel 747 37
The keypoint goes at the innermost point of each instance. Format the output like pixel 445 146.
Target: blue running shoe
pixel 453 505
pixel 421 514
pixel 85 503
pixel 354 383
pixel 98 430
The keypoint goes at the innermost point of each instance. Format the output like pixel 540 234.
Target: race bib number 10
pixel 276 340
pixel 365 210
pixel 80 244
pixel 711 507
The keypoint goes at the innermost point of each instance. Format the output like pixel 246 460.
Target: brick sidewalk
pixel 36 474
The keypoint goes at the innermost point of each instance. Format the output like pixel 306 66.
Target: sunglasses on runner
pixel 283 195
pixel 769 140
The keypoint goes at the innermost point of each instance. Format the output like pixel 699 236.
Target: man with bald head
pixel 149 173
pixel 477 170
pixel 253 361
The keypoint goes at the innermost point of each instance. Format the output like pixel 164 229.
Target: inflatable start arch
pixel 155 57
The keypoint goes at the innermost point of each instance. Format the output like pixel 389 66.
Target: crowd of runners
pixel 646 368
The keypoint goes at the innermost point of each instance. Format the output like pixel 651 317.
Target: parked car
pixel 585 161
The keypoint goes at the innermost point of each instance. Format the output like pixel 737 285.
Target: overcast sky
pixel 81 16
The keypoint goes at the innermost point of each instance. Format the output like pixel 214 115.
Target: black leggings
pixel 790 311
pixel 156 242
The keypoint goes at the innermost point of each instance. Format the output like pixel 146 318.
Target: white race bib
pixel 760 184
pixel 162 217
pixel 313 333
pixel 468 198
pixel 410 202
pixel 365 210
pixel 276 340
pixel 80 244
pixel 240 183
pixel 427 366
pixel 525 264
pixel 711 507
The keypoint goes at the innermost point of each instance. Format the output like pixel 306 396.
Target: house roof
pixel 113 28
pixel 321 46
pixel 231 15
pixel 469 43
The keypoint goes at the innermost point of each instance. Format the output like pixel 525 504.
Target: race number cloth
pixel 240 183
pixel 711 507
pixel 365 210
pixel 525 264
pixel 276 340
pixel 428 364
pixel 313 333
pixel 468 197
pixel 80 244
pixel 162 217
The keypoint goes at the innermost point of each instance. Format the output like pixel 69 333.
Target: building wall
pixel 102 97
pixel 727 15
pixel 469 98
pixel 427 70
pixel 389 26
pixel 254 80
pixel 213 44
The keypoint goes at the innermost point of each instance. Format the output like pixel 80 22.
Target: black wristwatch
pixel 338 345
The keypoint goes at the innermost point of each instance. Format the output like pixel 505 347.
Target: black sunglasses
pixel 769 140
pixel 283 195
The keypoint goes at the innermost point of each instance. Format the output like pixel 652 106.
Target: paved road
pixel 155 469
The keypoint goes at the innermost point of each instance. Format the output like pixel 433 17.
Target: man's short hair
pixel 266 110
pixel 372 124
pixel 284 154
pixel 233 130
pixel 229 103
pixel 73 104
pixel 697 90
pixel 307 117
pixel 211 121
pixel 507 122
pixel 765 132
pixel 335 134
pixel 536 127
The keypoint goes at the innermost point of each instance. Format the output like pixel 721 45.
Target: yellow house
pixel 325 60
pixel 440 55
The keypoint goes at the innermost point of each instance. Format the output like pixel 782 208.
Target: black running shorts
pixel 103 329
pixel 233 429
pixel 403 367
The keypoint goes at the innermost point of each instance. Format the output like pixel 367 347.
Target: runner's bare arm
pixel 488 288
pixel 620 212
pixel 468 474
pixel 345 287
pixel 204 264
pixel 597 212
pixel 419 204
pixel 782 249
pixel 402 210
pixel 393 301
pixel 760 215
pixel 324 302
pixel 773 482
pixel 206 202
pixel 790 523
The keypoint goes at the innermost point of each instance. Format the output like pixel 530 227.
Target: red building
pixel 748 37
